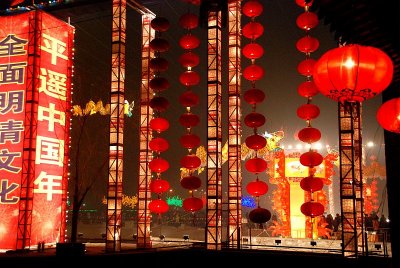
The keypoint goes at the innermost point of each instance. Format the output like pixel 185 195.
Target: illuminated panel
pixel 52 139
pixel 116 153
pixel 234 126
pixel 214 137
pixel 14 38
pixel 145 155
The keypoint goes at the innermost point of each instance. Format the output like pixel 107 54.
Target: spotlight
pixel 186 237
pixel 278 242
pixel 313 243
pixel 378 246
pixel 162 237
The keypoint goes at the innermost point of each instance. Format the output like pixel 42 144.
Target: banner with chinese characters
pixel 35 94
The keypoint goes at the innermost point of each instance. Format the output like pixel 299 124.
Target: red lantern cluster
pixel 307 89
pixel 158 124
pixel 253 96
pixel 188 99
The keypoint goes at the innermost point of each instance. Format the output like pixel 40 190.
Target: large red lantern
pixel 189 41
pixel 307 21
pixel 190 161
pixel 353 73
pixel 308 111
pixel 254 96
pixel 159 186
pixel 159 104
pixel 189 59
pixel 158 165
pixel 159 144
pixel 311 184
pixel 191 182
pixel 260 215
pixel 159 83
pixel 190 141
pixel 252 9
pixel 307 89
pixel 257 188
pixel 307 44
pixel 311 159
pixel 192 204
pixel 256 165
pixel 253 30
pixel 309 135
pixel 189 120
pixel 189 78
pixel 158 206
pixel 159 124
pixel 189 21
pixel 254 120
pixel 388 115
pixel 253 51
pixel 189 99
pixel 312 209
pixel 253 72
pixel 256 142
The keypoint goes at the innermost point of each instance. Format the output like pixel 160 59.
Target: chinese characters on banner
pixel 38 123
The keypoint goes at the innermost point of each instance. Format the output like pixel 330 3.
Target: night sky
pixel 92 82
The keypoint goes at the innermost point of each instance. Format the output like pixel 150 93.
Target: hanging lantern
pixel 256 142
pixel 253 51
pixel 159 104
pixel 189 99
pixel 160 24
pixel 158 206
pixel 254 120
pixel 191 182
pixel 159 144
pixel 158 165
pixel 190 161
pixel 192 204
pixel 189 59
pixel 159 84
pixel 260 215
pixel 189 41
pixel 159 45
pixel 158 64
pixel 388 115
pixel 253 72
pixel 254 96
pixel 189 141
pixel 307 89
pixel 257 188
pixel 253 30
pixel 311 159
pixel 353 73
pixel 307 44
pixel 252 9
pixel 189 21
pixel 304 3
pixel 189 120
pixel 306 67
pixel 307 21
pixel 308 111
pixel 256 165
pixel 309 135
pixel 159 124
pixel 189 78
pixel 312 209
pixel 311 184
pixel 159 186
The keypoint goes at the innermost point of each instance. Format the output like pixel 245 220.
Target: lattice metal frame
pixel 214 135
pixel 351 185
pixel 117 98
pixel 145 155
pixel 234 125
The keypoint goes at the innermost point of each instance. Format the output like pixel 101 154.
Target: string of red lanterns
pixel 307 89
pixel 189 99
pixel 159 124
pixel 253 96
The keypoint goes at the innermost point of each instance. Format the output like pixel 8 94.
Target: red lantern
pixel 158 206
pixel 307 44
pixel 190 141
pixel 159 144
pixel 159 45
pixel 309 135
pixel 159 124
pixel 192 204
pixel 311 184
pixel 189 41
pixel 160 24
pixel 190 161
pixel 159 165
pixel 312 209
pixel 308 111
pixel 189 59
pixel 257 188
pixel 307 89
pixel 388 115
pixel 306 67
pixel 191 182
pixel 252 9
pixel 353 73
pixel 256 142
pixel 189 120
pixel 253 30
pixel 159 186
pixel 260 215
pixel 254 96
pixel 256 165
pixel 189 78
pixel 304 3
pixel 311 159
pixel 253 51
pixel 189 21
pixel 254 120
pixel 189 99
pixel 158 64
pixel 307 21
pixel 253 72
pixel 159 104
pixel 159 84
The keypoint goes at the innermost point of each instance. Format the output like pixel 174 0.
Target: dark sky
pixel 92 81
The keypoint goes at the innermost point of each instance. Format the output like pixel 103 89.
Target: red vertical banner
pixel 52 140
pixel 49 73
